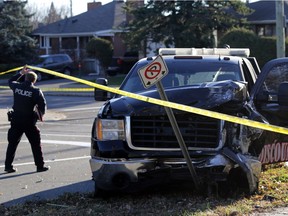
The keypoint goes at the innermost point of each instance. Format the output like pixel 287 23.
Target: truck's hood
pixel 210 96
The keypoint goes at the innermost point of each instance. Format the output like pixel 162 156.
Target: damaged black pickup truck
pixel 133 143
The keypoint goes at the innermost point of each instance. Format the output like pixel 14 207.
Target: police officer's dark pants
pixel 18 127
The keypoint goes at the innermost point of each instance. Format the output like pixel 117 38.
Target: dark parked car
pixel 57 62
pixel 122 65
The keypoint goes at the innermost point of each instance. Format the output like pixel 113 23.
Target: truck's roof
pixel 200 58
pixel 245 52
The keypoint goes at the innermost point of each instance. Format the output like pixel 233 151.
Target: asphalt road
pixel 66 146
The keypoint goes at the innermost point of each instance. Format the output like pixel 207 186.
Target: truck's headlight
pixel 108 129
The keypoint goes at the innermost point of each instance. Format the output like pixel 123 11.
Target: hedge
pixel 263 48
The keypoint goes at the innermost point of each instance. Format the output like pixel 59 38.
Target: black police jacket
pixel 26 97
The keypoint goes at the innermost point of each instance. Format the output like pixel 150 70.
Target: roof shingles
pixel 265 10
pixel 98 19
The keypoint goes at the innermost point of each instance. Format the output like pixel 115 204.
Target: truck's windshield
pixel 185 72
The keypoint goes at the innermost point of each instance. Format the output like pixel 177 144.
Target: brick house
pixel 71 35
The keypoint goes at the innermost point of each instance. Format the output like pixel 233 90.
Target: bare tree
pixel 52 15
pixel 38 15
pixel 44 16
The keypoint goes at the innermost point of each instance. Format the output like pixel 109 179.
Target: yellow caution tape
pixel 9 71
pixel 173 105
pixel 4 87
pixel 60 89
pixel 68 89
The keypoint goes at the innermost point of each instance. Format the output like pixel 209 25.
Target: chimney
pixel 93 5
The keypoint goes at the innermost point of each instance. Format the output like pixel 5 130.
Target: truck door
pixel 270 98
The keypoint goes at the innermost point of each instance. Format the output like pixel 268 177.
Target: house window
pixel 69 43
pixel 266 30
pixel 260 30
pixel 45 42
pixel 269 30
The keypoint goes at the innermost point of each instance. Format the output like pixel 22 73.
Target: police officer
pixel 27 97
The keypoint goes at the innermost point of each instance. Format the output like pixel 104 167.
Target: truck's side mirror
pixel 283 94
pixel 99 94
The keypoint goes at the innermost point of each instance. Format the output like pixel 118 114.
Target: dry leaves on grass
pixel 273 192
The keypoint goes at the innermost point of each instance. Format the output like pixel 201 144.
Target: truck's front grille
pixel 155 132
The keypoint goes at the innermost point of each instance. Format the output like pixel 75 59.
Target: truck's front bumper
pixel 115 174
pixel 108 172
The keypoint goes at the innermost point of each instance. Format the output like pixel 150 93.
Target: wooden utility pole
pixel 71 13
pixel 280 28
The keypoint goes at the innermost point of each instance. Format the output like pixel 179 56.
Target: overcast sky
pixel 78 6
